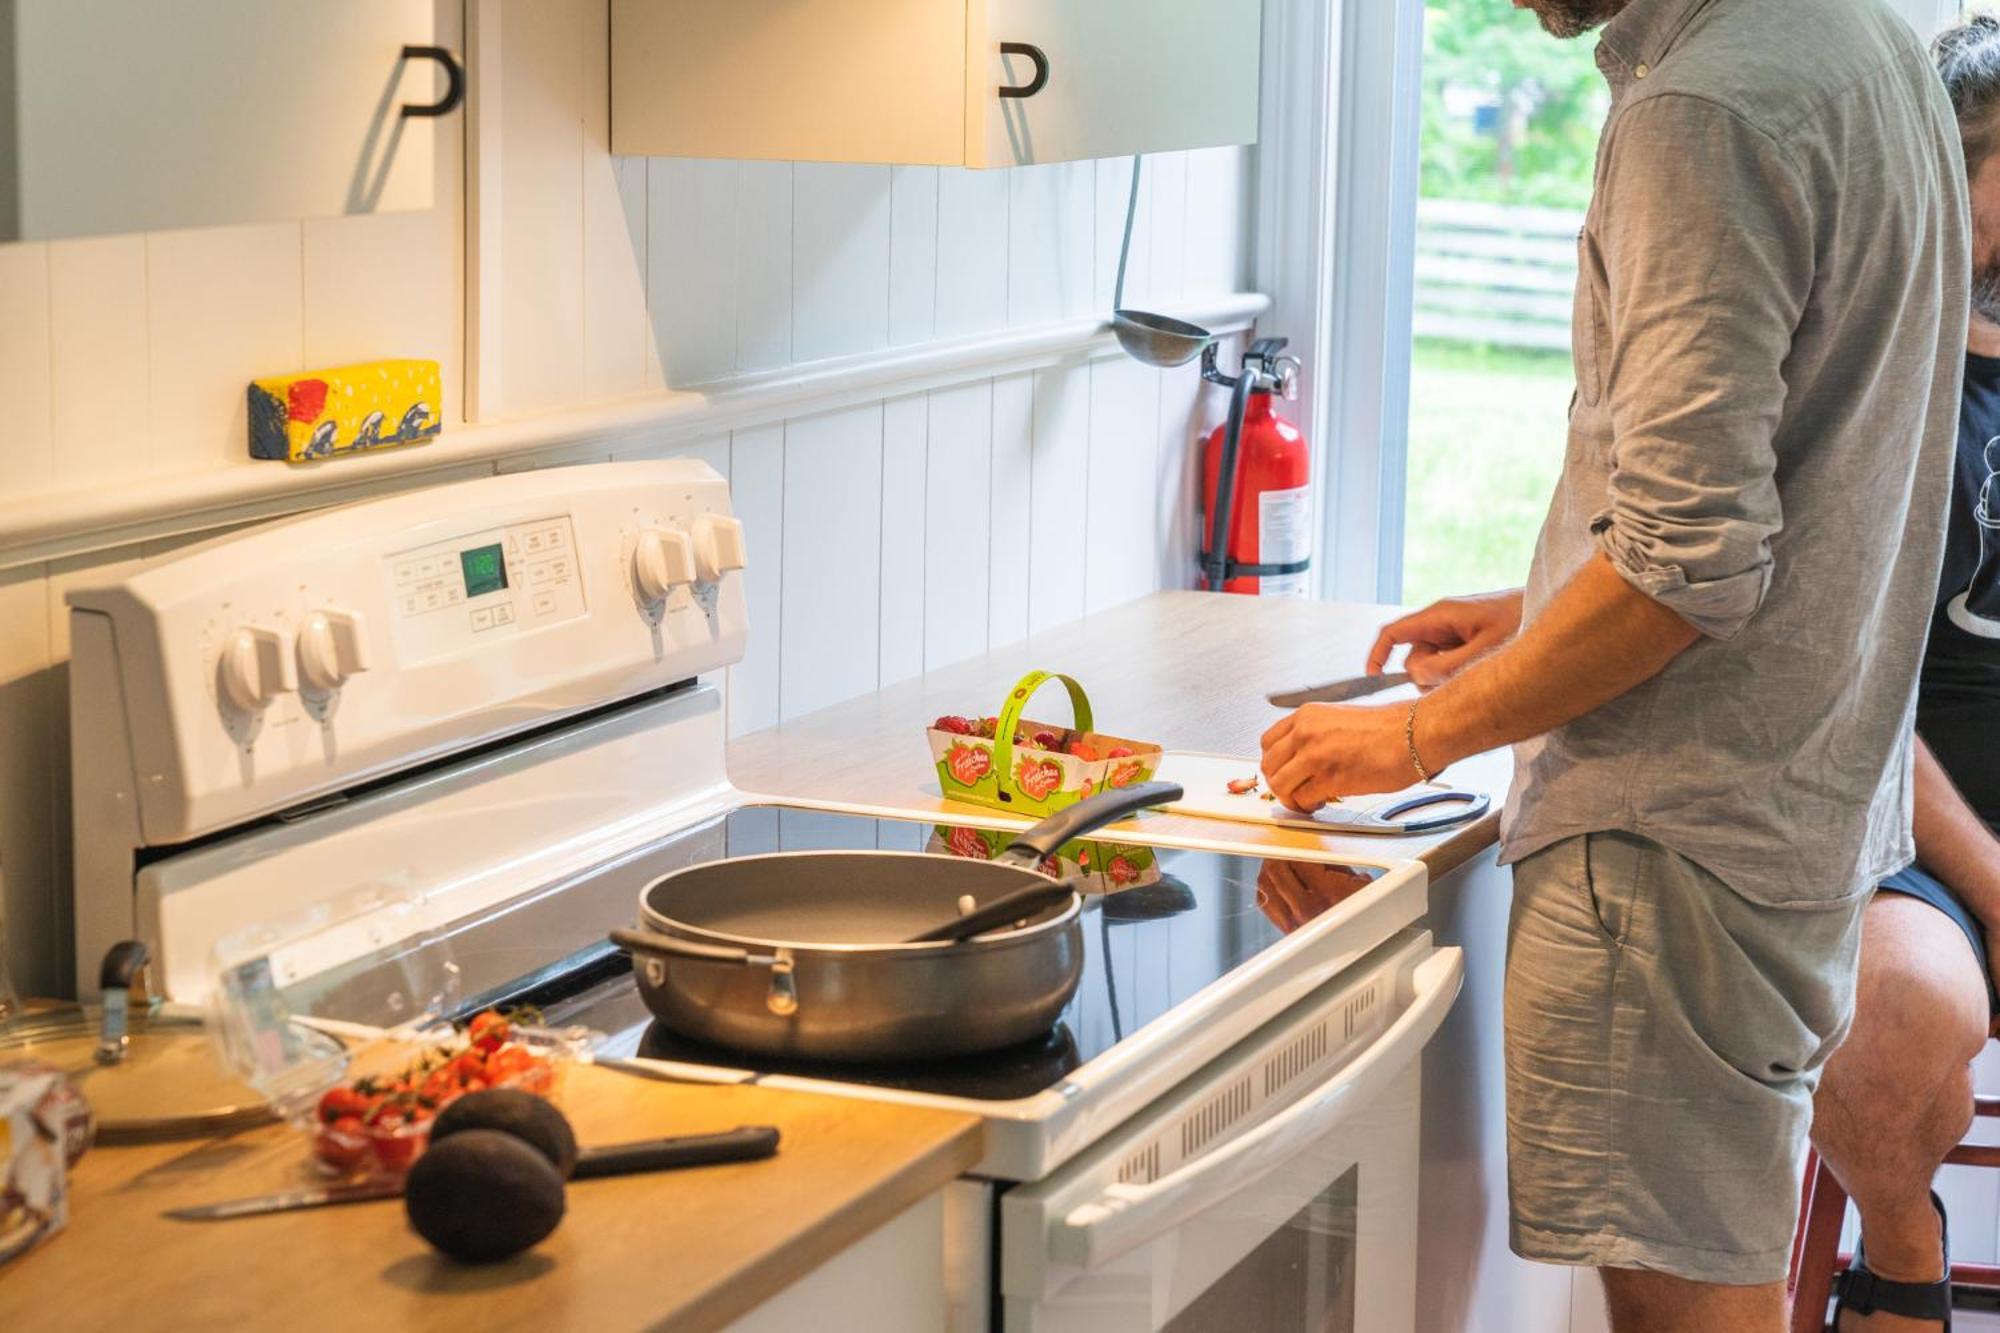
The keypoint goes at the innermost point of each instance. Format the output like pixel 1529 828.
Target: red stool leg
pixel 1817 1247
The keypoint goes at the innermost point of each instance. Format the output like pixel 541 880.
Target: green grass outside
pixel 1487 430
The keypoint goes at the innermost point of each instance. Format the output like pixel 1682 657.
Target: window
pixel 1510 118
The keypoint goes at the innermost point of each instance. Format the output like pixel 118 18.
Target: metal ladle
pixel 1157 340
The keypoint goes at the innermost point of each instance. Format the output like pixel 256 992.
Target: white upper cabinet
pixel 138 115
pixel 979 83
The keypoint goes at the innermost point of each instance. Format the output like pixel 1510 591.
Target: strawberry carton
pixel 1031 768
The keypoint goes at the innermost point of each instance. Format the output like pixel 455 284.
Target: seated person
pixel 1897 1095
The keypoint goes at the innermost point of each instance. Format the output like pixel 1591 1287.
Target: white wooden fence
pixel 1495 273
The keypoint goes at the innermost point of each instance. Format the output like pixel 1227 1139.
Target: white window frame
pixel 1336 250
pixel 1337 227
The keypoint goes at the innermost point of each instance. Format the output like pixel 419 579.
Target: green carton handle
pixel 1010 718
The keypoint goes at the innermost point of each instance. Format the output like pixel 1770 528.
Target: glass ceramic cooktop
pixel 1168 923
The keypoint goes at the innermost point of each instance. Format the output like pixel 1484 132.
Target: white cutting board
pixel 1206 778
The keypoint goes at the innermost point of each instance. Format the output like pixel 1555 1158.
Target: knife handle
pixel 746 1143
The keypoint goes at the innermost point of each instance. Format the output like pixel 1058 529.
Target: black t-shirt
pixel 1958 706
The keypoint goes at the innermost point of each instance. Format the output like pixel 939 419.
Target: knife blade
pixel 743 1144
pixel 1340 691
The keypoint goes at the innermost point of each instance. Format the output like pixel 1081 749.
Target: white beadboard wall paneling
pixel 97 337
pixel 30 915
pixel 972 249
pixel 713 450
pixel 243 288
pixel 541 241
pixel 757 486
pixel 384 285
pixel 74 518
pixel 1114 186
pixel 1058 550
pixel 831 594
pixel 1012 470
pixel 1052 258
pixel 905 471
pixel 843 219
pixel 1124 451
pixel 958 539
pixel 764 222
pixel 27 461
pixel 913 255
pixel 691 261
pixel 1166 185
pixel 1219 186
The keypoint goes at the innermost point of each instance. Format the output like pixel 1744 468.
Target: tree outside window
pixel 1510 124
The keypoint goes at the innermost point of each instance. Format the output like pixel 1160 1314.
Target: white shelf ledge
pixel 54 524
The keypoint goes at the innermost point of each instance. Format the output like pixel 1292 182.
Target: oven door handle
pixel 1123 1217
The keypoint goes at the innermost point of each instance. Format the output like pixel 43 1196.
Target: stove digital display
pixel 484 570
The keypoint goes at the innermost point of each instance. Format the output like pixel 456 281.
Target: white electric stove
pixel 472 722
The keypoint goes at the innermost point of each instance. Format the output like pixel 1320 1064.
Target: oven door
pixel 1276 1190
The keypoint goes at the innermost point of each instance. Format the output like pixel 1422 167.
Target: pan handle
pixel 656 945
pixel 1036 844
pixel 783 999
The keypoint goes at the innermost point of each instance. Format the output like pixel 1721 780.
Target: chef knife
pixel 1340 691
pixel 745 1143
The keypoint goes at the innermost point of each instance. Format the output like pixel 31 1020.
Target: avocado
pixel 512 1111
pixel 482 1195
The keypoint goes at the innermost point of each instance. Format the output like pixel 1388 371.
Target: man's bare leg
pixel 1897 1095
pixel 1646 1302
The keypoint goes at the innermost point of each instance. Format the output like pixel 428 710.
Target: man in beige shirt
pixel 1710 677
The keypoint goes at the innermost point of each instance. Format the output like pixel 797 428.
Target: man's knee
pixel 1921 1017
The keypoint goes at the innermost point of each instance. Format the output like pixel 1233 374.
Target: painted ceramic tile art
pixel 320 414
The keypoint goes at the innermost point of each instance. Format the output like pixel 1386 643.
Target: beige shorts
pixel 1664 1037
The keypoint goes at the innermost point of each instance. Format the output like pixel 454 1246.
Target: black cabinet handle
pixel 1041 59
pixel 454 91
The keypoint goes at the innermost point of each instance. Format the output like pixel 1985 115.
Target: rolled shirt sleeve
pixel 1706 241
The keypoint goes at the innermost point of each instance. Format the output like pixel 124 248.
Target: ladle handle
pixel 1002 911
pixel 1125 249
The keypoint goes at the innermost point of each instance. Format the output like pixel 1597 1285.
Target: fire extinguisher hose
pixel 1216 559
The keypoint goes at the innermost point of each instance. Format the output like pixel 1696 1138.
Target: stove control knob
pixel 255 669
pixel 718 546
pixel 664 561
pixel 333 646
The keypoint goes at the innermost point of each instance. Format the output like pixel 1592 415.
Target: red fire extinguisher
pixel 1256 481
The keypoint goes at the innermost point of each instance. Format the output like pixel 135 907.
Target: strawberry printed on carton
pixel 1038 777
pixel 969 763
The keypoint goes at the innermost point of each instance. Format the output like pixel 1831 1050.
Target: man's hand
pixel 1446 635
pixel 1595 640
pixel 1323 752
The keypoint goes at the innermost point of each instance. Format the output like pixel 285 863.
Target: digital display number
pixel 484 570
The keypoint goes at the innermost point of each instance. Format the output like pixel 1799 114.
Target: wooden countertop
pixel 679 1250
pixel 1187 669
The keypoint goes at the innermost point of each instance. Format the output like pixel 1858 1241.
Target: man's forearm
pixel 1953 842
pixel 1597 639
